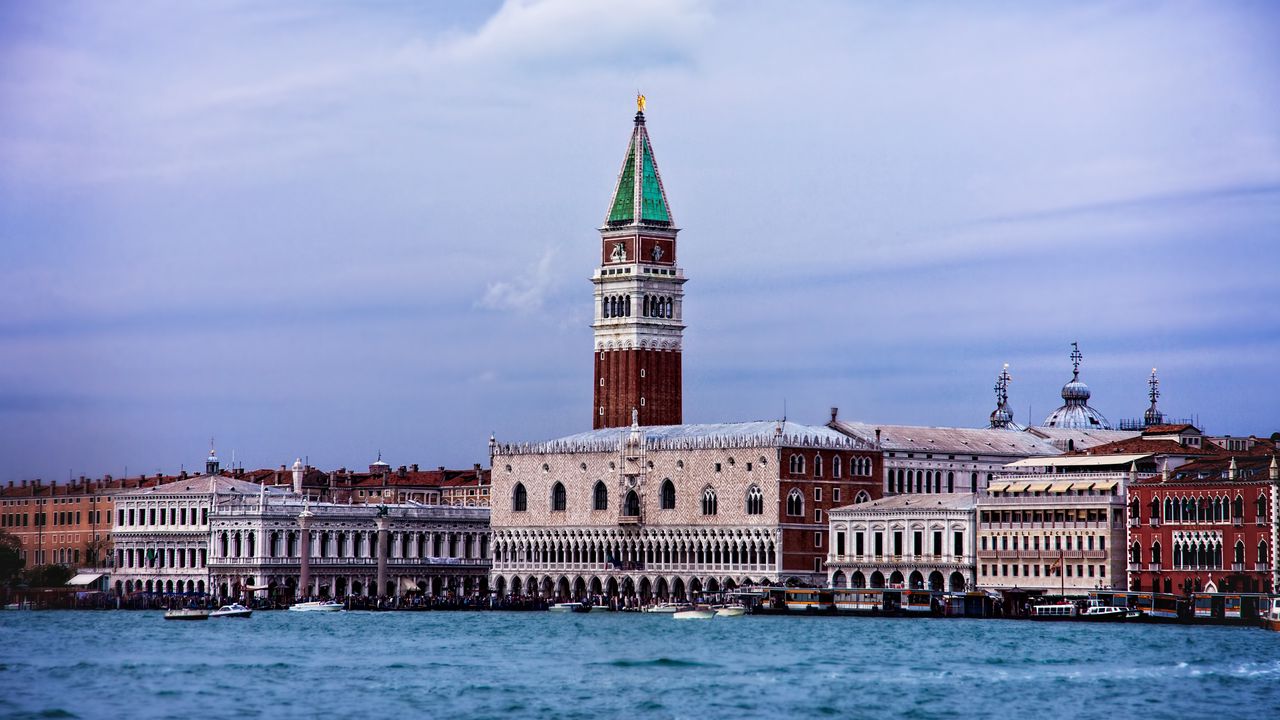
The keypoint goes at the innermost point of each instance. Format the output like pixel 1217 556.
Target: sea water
pixel 532 665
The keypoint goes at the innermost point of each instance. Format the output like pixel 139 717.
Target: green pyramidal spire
pixel 638 198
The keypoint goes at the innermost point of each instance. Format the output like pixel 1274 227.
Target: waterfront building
pixel 639 298
pixel 906 541
pixel 670 511
pixel 1075 411
pixel 60 523
pixel 160 536
pixel 919 459
pixel 288 546
pixel 1208 525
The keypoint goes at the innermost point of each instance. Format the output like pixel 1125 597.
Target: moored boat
pixel 316 606
pixel 1057 611
pixel 730 611
pixel 664 608
pixel 1271 621
pixel 234 610
pixel 565 607
pixel 695 614
pixel 185 614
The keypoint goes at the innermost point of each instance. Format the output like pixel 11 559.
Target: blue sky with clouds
pixel 330 229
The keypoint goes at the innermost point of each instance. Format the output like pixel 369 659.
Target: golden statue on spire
pixel 639 102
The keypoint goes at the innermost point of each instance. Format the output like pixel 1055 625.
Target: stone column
pixel 304 550
pixel 381 549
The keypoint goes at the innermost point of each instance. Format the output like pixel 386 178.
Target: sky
pixel 329 230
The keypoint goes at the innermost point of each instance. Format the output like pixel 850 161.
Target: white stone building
pixel 256 541
pixel 906 541
pixel 669 511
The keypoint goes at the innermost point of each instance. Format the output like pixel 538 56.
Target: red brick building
pixel 811 483
pixel 1206 525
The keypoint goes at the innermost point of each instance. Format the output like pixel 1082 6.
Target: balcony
pixel 1135 567
pixel 1155 522
pixel 1237 567
pixel 1154 567
pixel 629 520
pixel 1262 567
pixel 1135 522
pixel 1237 521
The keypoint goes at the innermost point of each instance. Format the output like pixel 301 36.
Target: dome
pixel 1075 413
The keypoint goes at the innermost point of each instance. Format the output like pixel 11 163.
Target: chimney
pixel 415 467
pixel 402 470
pixel 476 468
pixel 298 472
pixel 441 469
pixel 877 437
pixel 24 483
pixel 834 412
pixel 184 475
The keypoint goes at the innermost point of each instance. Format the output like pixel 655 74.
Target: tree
pixel 11 561
pixel 97 550
pixel 48 575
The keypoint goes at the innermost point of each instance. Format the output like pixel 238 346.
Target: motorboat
pixel 317 606
pixel 1105 613
pixel 565 607
pixel 665 608
pixel 695 614
pixel 600 608
pixel 234 610
pixel 186 614
pixel 1057 611
pixel 1271 620
pixel 730 611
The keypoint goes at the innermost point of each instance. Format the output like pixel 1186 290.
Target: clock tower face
pixel 639 299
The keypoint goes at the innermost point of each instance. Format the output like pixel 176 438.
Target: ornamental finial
pixel 1076 357
pixel 639 102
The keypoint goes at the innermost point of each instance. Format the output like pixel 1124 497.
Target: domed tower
pixel 639 297
pixel 1076 413
pixel 1002 416
pixel 1153 416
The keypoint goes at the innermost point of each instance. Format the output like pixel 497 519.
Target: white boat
pixel 695 614
pixel 317 606
pixel 665 608
pixel 565 607
pixel 234 610
pixel 601 608
pixel 1057 611
pixel 186 614
pixel 730 611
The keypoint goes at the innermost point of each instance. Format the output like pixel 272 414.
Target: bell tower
pixel 639 297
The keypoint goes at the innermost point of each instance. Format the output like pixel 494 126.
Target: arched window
pixel 600 496
pixel 1155 553
pixel 817 466
pixel 1168 509
pixel 755 500
pixel 795 503
pixel 835 467
pixel 1239 558
pixel 1135 554
pixel 951 482
pixel 861 497
pixel 557 497
pixel 631 505
pixel 1135 510
pixel 519 498
pixel 668 495
pixel 900 485
pixel 1237 508
pixel 797 464
pixel 1262 552
pixel 709 502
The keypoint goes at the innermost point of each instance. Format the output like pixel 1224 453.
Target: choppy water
pixel 484 665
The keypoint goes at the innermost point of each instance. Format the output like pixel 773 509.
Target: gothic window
pixel 1155 553
pixel 1262 552
pixel 600 497
pixel 973 482
pixel 817 466
pixel 668 495
pixel 1237 508
pixel 951 482
pixel 631 507
pixel 558 499
pixel 1239 558
pixel 1135 554
pixel 708 502
pixel 861 497
pixel 835 466
pixel 1261 507
pixel 795 503
pixel 755 500
pixel 519 498
pixel 1168 509
pixel 604 307
pixel 626 301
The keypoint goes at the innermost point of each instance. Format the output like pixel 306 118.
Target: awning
pixel 1019 487
pixel 1105 484
pixel 1059 487
pixel 84 579
pixel 998 487
pixel 1038 486
pixel 1070 461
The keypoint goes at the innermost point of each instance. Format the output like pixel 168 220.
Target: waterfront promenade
pixel 479 665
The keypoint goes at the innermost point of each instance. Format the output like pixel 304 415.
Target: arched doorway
pixel 501 586
pixel 660 589
pixel 631 507
pixel 579 588
pixel 957 581
pixel 935 580
pixel 646 591
pixel 677 589
pixel 611 587
pixel 896 579
pixel 917 580
pixel 730 585
pixel 858 580
pixel 596 587
pixel 562 588
pixel 838 579
pixel 695 587
pixel 713 586
pixel 877 579
pixel 548 586
pixel 628 587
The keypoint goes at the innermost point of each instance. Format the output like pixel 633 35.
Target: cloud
pixel 527 293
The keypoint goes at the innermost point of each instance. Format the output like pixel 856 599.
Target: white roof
pixel 950 440
pixel 1079 461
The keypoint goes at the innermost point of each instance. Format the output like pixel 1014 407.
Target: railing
pixel 362 561
pixel 1135 567
pixel 628 519
pixel 1154 567
pixel 1155 522
pixel 1135 522
pixel 1044 554
pixel 523 566
pixel 1262 567
pixel 1237 567
pixel 1050 525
